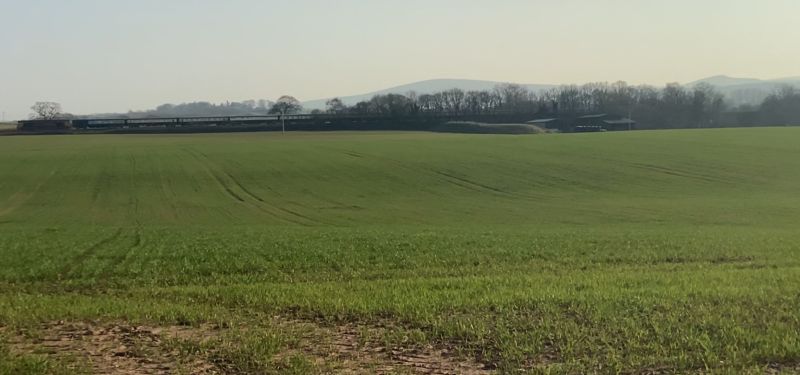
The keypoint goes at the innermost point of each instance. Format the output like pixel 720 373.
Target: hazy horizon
pixel 98 56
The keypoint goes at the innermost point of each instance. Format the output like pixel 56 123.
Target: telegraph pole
pixel 630 119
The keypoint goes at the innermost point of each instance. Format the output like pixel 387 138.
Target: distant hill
pixel 737 90
pixel 720 81
pixel 424 87
pixel 751 91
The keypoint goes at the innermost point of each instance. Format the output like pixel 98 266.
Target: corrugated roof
pixel 543 120
pixel 619 122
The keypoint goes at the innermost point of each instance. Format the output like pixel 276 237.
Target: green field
pixel 631 252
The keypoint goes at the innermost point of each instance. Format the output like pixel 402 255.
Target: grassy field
pixel 634 252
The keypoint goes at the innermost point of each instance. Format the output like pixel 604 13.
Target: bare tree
pixel 335 105
pixel 412 95
pixel 478 102
pixel 45 110
pixel 286 105
pixel 513 97
pixel 391 105
pixel 454 99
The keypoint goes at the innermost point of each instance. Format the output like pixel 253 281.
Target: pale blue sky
pixel 115 55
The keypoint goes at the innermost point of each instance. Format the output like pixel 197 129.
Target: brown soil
pixel 124 349
pixel 116 348
pixel 778 368
pixel 358 349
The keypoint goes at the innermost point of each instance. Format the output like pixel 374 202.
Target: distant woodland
pixel 673 106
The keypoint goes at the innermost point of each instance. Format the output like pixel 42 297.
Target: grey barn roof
pixel 619 122
pixel 542 120
pixel 599 115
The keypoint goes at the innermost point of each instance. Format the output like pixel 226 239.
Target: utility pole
pixel 283 122
pixel 630 111
pixel 630 119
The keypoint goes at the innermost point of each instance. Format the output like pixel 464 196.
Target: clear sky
pixel 114 55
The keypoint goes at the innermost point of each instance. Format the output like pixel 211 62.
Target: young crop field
pixel 393 252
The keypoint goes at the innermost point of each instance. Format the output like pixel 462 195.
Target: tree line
pixel 284 104
pixel 673 106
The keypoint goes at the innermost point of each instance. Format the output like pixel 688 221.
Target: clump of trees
pixel 285 104
pixel 782 107
pixel 243 108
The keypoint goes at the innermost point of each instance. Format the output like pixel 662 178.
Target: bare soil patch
pixel 116 348
pixel 124 349
pixel 360 349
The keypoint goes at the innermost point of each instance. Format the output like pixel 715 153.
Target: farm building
pixel 620 124
pixel 547 123
pixel 43 125
pixel 602 121
pixel 586 123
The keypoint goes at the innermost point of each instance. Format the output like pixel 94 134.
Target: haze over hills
pixel 425 87
pixel 721 81
pixel 738 90
pixel 726 81
pixel 746 91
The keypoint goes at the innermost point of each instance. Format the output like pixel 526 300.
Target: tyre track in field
pixel 206 161
pixel 123 258
pixel 680 173
pixel 446 177
pixel 271 190
pixel 398 180
pixel 683 173
pixel 257 198
pixel 88 253
pixel 227 191
pixel 100 182
pixel 133 199
pixel 230 184
pixel 165 188
pixel 470 183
